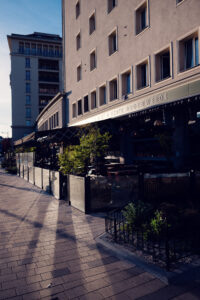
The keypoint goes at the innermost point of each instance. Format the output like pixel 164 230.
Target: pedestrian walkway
pixel 48 251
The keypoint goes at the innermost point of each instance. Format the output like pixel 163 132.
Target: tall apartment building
pixel 36 77
pixel 135 61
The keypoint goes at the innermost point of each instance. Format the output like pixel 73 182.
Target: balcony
pixel 48 91
pixel 48 76
pixel 48 64
pixel 48 79
pixel 34 52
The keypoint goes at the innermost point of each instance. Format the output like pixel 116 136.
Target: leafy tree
pixel 90 151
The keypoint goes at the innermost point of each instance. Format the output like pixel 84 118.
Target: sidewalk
pixel 48 251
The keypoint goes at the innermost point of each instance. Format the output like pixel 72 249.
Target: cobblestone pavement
pixel 48 251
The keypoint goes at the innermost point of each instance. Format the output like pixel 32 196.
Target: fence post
pixel 115 229
pixel 167 251
pixel 193 186
pixel 106 224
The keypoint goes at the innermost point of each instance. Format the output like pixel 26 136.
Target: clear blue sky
pixel 22 17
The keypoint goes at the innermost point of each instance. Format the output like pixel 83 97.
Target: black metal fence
pixel 166 248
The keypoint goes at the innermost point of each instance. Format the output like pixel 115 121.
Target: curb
pixel 185 273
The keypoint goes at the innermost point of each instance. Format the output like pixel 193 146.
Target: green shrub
pixel 91 150
pixel 137 213
pixel 158 223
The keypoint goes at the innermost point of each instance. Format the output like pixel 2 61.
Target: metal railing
pixel 166 248
pixel 39 53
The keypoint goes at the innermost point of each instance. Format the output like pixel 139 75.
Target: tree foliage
pixel 91 150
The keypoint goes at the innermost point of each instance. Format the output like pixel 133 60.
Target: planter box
pixel 78 192
pixel 55 183
pixel 38 177
pixel 46 180
pixel 99 193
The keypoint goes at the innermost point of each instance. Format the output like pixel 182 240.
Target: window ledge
pixel 90 33
pixel 108 12
pixel 86 112
pixel 113 53
pixel 142 31
pixel 142 88
pixel 93 69
pixel 188 70
pixel 178 4
pixel 163 80
pixel 111 100
pixel 102 104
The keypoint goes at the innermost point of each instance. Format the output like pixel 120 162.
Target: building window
pixel 78 41
pixel 80 107
pixel 28 99
pixel 78 9
pixel 79 77
pixel 48 64
pixel 189 52
pixel 45 50
pixel 44 100
pixel 162 64
pixel 28 87
pixel 141 18
pixel 113 89
pixel 142 75
pixel 27 62
pixel 93 100
pixel 54 120
pixel 28 123
pixel 111 5
pixel 50 89
pixel 27 48
pixel 48 76
pixel 112 42
pixel 93 60
pixel 21 47
pixel 74 110
pixel 28 75
pixel 92 25
pixel 33 49
pixel 126 83
pixel 51 50
pixel 28 112
pixel 102 95
pixel 39 49
pixel 57 51
pixel 57 119
pixel 86 104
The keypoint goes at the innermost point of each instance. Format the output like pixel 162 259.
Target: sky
pixel 22 17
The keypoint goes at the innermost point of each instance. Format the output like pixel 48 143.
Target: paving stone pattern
pixel 48 251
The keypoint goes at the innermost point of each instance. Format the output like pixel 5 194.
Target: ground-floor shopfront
pixel 161 129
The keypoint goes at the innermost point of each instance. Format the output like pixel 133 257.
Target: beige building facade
pixel 126 56
pixel 36 77
pixel 53 116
